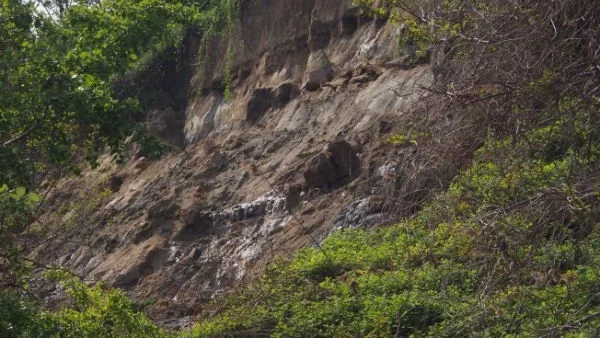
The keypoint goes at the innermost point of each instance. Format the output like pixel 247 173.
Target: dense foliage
pixel 59 63
pixel 56 106
pixel 94 312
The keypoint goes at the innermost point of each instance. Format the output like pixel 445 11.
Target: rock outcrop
pixel 319 70
pixel 292 154
pixel 332 167
pixel 261 100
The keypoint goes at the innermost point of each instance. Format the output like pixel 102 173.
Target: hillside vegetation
pixel 59 111
pixel 512 248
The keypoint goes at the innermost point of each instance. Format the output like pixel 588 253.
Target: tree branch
pixel 20 136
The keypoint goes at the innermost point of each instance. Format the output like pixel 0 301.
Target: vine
pixel 218 23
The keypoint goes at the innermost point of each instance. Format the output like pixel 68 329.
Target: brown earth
pixel 299 150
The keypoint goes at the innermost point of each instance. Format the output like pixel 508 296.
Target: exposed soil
pixel 273 169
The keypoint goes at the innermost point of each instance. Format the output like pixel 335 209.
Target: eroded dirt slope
pixel 301 148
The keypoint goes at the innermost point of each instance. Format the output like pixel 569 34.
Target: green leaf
pixel 33 197
pixel 19 193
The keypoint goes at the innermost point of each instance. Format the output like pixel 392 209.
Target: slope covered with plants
pixel 512 248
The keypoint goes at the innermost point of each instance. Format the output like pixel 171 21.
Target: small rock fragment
pixel 319 34
pixel 260 101
pixel 332 166
pixel 319 70
pixel 284 93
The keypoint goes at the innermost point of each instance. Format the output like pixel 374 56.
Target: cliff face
pixel 297 151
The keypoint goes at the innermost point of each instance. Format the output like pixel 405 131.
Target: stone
pixel 344 158
pixel 196 224
pixel 319 70
pixel 326 93
pixel 144 265
pixel 115 183
pixel 319 171
pixel 260 101
pixel 338 82
pixel 284 93
pixel 410 61
pixel 401 62
pixel 385 127
pixel 194 253
pixel 233 142
pixel 141 164
pixel 361 79
pixel 388 171
pixel 127 278
pixel 366 69
pixel 364 73
pixel 350 19
pixel 319 34
pixel 293 194
pixel 353 215
pixel 337 163
pixel 218 160
pixel 142 233
pixel 161 214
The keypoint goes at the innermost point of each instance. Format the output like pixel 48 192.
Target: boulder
pixel 319 34
pixel 344 158
pixel 260 101
pixel 115 183
pixel 284 93
pixel 332 167
pixel 319 171
pixel 319 70
pixel 351 19
pixel 196 224
pixel 140 165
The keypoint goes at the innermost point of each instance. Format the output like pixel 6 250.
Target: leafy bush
pixel 100 312
pixel 93 312
pixel 58 106
pixel 19 318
